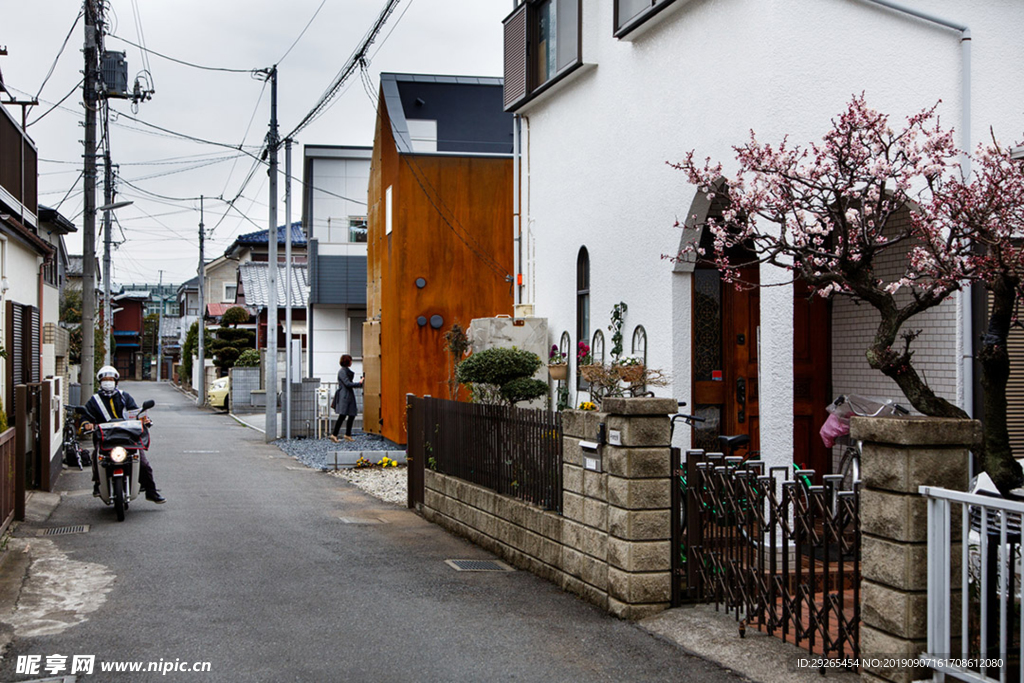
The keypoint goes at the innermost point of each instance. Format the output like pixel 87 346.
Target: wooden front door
pixel 726 344
pixel 725 389
pixel 812 378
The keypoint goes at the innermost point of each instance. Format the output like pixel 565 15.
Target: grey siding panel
pixel 341 280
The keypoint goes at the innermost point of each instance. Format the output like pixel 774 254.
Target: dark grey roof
pixel 254 283
pixel 189 284
pixel 48 215
pixel 469 111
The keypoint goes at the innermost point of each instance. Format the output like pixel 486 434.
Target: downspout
pixel 973 303
pixel 517 219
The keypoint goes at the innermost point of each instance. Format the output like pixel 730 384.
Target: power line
pixel 354 61
pixel 57 58
pixel 308 24
pixel 62 100
pixel 180 61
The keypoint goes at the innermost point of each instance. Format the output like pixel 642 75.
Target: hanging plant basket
pixel 631 374
pixel 591 373
pixel 559 372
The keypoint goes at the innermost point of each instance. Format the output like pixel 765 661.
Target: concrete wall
pixel 611 544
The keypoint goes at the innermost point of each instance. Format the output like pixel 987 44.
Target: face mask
pixel 108 385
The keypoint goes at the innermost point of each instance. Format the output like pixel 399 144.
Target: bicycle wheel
pixel 849 467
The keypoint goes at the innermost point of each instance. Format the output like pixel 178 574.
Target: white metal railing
pixel 990 529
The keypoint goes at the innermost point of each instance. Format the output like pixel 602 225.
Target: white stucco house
pixel 608 91
pixel 336 181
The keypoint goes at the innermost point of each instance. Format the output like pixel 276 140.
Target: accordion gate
pixel 780 553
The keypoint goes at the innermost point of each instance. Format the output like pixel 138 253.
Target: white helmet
pixel 108 371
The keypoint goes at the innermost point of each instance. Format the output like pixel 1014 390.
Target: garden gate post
pixel 899 455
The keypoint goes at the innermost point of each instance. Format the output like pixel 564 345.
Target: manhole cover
pixel 478 566
pixel 63 530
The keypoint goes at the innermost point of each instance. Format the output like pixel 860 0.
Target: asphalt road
pixel 249 566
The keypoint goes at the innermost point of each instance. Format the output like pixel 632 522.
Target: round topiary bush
pixel 250 358
pixel 504 373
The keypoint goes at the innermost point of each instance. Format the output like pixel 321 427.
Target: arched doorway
pixel 726 362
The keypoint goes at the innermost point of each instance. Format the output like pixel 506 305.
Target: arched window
pixel 582 302
pixel 583 295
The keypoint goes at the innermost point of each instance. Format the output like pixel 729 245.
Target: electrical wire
pixel 142 39
pixel 350 66
pixel 308 24
pixel 59 53
pixel 180 61
pixel 62 100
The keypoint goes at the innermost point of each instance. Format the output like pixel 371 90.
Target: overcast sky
pixel 456 37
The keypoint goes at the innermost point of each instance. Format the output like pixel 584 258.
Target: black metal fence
pixel 513 451
pixel 781 554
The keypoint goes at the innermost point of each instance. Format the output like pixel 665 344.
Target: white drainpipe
pixel 966 342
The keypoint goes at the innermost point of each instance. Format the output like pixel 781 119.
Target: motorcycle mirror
pixel 148 404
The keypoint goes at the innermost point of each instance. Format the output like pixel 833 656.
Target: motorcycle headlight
pixel 118 454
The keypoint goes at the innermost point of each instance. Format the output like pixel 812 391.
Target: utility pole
pixel 272 144
pixel 93 45
pixel 288 289
pixel 159 327
pixel 201 386
pixel 108 200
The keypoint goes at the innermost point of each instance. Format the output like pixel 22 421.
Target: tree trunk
pixel 997 457
pixel 898 366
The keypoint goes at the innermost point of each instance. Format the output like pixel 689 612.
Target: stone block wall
pixel 612 543
pixel 899 455
pixel 243 382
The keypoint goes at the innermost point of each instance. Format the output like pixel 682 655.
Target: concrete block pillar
pixel 899 455
pixel 634 491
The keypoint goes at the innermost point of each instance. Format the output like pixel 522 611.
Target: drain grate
pixel 64 530
pixel 478 566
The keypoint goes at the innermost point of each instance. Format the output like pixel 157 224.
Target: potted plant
pixel 629 369
pixel 558 369
pixel 585 361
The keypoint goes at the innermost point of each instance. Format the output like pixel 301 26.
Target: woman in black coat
pixel 344 403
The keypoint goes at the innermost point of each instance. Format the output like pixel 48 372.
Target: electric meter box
pixel 115 75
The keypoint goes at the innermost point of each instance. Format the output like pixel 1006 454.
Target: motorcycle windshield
pixel 130 433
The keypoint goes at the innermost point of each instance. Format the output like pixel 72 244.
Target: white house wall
pixel 331 325
pixel 704 75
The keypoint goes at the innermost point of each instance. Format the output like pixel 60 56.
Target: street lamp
pixel 106 209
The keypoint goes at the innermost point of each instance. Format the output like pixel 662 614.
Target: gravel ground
pixel 388 484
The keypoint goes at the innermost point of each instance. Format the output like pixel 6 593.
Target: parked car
pixel 217 395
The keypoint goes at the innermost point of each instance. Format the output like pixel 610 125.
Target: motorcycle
pixel 118 445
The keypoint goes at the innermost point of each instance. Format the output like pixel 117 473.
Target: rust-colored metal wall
pixel 451 226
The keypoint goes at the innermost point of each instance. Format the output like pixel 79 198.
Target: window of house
pixel 50 272
pixel 582 299
pixel 631 13
pixel 357 230
pixel 542 44
pixel 355 334
pixel 230 292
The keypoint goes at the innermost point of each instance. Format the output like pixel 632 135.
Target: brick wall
pixel 854 326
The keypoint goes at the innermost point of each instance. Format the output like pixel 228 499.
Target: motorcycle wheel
pixel 119 503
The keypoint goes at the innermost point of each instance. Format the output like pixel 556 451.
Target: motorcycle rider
pixel 107 405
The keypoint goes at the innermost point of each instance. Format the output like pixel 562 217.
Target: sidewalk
pixel 713 635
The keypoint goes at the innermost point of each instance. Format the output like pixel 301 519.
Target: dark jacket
pixel 101 409
pixel 344 402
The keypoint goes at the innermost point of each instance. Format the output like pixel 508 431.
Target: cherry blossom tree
pixel 830 212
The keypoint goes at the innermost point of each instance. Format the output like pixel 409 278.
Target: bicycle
pixel 74 454
pixel 837 429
